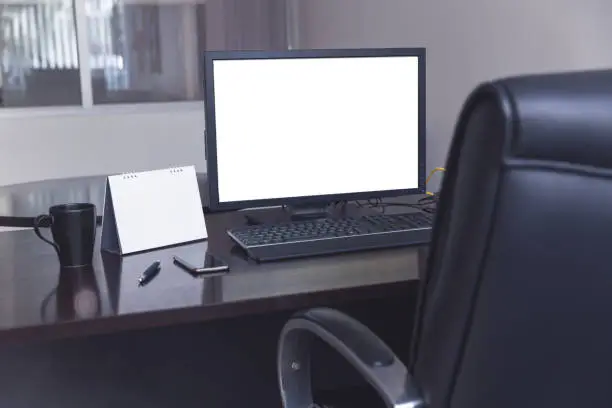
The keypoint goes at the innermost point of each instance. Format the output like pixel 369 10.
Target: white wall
pixel 467 42
pixel 43 146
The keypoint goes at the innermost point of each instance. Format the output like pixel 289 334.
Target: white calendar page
pixel 156 208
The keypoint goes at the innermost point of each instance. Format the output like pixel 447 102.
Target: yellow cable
pixel 434 171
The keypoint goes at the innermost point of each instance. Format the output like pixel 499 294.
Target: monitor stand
pixel 307 213
pixel 296 213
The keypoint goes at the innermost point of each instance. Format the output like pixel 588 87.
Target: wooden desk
pixel 118 343
pixel 38 301
pixel 107 356
pixel 214 364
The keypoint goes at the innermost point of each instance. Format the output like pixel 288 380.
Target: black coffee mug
pixel 73 227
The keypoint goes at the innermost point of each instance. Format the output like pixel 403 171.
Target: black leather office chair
pixel 516 305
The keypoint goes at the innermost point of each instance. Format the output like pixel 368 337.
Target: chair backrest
pixel 517 304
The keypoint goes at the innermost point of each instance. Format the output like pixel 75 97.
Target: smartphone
pixel 212 265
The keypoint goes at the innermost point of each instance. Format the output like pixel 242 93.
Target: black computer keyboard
pixel 332 235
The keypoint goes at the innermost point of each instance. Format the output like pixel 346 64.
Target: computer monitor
pixel 312 127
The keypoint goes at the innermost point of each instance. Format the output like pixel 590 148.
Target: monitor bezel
pixel 214 205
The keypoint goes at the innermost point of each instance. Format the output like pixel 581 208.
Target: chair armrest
pixel 372 358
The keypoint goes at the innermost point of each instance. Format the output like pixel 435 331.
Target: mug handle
pixel 37 222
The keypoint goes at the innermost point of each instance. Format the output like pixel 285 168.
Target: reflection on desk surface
pixel 34 293
pixel 174 288
pixel 171 288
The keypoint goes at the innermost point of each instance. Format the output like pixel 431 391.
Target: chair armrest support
pixel 372 358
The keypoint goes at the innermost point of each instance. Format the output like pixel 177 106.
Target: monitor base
pixel 306 213
pixel 300 213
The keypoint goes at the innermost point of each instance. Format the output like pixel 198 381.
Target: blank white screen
pixel 315 126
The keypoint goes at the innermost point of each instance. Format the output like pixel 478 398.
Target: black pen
pixel 149 273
